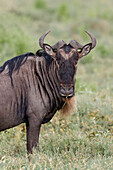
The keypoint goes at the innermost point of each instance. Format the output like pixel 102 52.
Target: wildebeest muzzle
pixel 66 90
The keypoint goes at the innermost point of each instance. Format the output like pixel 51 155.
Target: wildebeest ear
pixel 85 50
pixel 49 50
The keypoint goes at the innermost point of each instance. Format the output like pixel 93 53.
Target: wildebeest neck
pixel 15 63
pixel 47 57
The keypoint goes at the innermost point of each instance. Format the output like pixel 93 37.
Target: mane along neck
pixel 15 63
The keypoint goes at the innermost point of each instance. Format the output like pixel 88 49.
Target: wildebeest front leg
pixel 33 130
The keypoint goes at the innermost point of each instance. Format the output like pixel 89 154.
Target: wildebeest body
pixel 12 100
pixel 34 87
pixel 30 92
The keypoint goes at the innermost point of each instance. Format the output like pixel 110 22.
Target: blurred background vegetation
pixel 85 140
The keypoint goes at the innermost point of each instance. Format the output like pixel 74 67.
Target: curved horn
pixel 93 39
pixel 59 44
pixel 75 44
pixel 41 40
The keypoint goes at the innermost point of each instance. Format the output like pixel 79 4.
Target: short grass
pixel 85 139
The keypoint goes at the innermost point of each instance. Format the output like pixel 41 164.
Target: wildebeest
pixel 34 86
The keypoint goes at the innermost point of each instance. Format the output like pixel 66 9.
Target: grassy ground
pixel 84 140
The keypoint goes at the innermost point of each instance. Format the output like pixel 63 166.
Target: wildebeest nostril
pixel 66 91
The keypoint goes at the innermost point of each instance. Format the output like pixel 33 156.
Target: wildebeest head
pixel 66 57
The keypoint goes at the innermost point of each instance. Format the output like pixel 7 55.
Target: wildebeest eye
pixel 79 50
pixel 55 50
